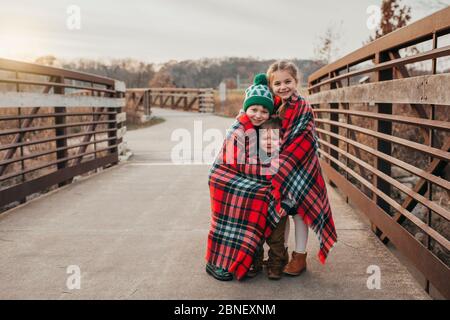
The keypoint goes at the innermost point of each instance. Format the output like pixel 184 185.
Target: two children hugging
pixel 250 207
pixel 261 112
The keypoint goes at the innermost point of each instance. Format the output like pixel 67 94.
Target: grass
pixel 231 105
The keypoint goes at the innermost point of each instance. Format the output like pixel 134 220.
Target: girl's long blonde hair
pixel 282 65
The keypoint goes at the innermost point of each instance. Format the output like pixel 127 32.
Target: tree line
pixel 202 73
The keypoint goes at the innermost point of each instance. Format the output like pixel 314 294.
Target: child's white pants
pixel 301 234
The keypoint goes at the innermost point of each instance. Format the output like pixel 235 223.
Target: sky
pixel 162 30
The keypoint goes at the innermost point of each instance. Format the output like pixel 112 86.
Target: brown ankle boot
pixel 297 264
pixel 275 264
pixel 274 272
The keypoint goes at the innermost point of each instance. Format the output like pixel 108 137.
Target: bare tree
pixel 162 79
pixel 326 48
pixel 394 15
pixel 48 60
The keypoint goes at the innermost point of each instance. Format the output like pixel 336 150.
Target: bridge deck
pixel 139 230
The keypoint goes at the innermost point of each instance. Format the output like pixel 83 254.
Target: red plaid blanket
pixel 240 196
pixel 246 204
pixel 299 182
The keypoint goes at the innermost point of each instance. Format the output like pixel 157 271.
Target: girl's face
pixel 283 84
pixel 257 114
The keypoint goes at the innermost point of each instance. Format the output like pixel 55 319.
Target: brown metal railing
pixel 140 101
pixel 55 124
pixel 383 110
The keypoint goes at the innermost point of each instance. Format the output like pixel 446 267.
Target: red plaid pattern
pixel 246 205
pixel 299 182
pixel 239 202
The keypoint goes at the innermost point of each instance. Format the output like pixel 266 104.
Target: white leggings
pixel 301 234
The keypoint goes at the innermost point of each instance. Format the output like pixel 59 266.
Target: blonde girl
pixel 303 195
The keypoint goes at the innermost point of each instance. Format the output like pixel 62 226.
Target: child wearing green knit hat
pixel 257 108
pixel 258 102
pixel 259 94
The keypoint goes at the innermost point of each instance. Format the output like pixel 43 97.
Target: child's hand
pixel 241 112
pixel 282 212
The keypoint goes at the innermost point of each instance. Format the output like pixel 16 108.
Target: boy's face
pixel 270 140
pixel 283 84
pixel 257 114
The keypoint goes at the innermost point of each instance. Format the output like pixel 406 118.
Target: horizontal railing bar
pixel 432 54
pixel 444 184
pixel 40 154
pixel 32 68
pixel 419 223
pixel 74 135
pixel 51 115
pixel 32 99
pixel 22 190
pixel 434 124
pixel 15 174
pixel 67 125
pixel 437 153
pixel 53 84
pixel 427 89
pixel 419 198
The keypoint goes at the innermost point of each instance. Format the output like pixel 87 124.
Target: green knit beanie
pixel 259 93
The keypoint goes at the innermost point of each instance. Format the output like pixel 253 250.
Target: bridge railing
pixel 55 124
pixel 140 100
pixel 382 115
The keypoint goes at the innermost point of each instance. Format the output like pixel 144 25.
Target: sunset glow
pixel 19 44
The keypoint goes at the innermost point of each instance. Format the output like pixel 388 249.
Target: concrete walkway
pixel 138 231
